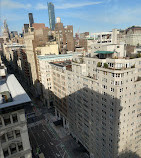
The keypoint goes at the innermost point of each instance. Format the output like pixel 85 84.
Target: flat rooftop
pixel 61 63
pixel 12 93
pixel 54 57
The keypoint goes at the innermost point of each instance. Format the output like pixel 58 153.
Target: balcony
pixel 92 77
pixel 114 67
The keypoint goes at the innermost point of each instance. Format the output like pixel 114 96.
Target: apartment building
pixel 46 76
pixel 35 38
pixel 9 49
pixel 106 37
pixel 133 35
pixel 16 56
pixel 49 49
pixel 83 43
pixel 103 113
pixel 64 36
pixel 59 88
pixel 14 139
pixel 130 36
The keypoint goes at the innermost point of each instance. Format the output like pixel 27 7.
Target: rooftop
pixel 53 57
pixel 62 63
pixel 11 45
pixel 12 93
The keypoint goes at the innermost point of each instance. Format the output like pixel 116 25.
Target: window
pixel 3 140
pixel 13 148
pixel 7 120
pixel 5 152
pixel 10 135
pixel 111 116
pixel 20 146
pixel 112 89
pixel 15 119
pixel 17 133
pixel 112 82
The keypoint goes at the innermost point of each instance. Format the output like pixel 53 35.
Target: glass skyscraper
pixel 51 14
pixel 31 20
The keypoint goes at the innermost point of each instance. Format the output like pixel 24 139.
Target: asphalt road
pixel 41 137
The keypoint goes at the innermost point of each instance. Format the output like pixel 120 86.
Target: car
pixel 32 104
pixel 51 143
pixel 41 155
pixel 57 155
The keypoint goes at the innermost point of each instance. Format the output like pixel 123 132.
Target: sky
pixel 85 15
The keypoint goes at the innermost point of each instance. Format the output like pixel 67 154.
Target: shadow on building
pixel 128 154
pixel 93 120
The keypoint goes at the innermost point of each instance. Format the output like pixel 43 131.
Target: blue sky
pixel 88 15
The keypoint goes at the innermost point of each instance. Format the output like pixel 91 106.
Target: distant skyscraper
pixel 31 20
pixel 51 14
pixel 5 31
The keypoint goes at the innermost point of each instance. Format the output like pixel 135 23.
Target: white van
pixel 41 155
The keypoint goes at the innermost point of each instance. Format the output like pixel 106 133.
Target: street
pixel 41 137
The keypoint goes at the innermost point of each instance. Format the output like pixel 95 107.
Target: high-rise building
pixel 36 37
pixel 31 20
pixel 5 31
pixel 102 110
pixel 51 14
pixel 64 36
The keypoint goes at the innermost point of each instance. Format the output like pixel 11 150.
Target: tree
pixel 105 65
pixel 99 64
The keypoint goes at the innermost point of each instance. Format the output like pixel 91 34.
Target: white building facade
pixel 14 139
pixel 102 110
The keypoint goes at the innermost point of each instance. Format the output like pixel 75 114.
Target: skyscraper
pixel 31 20
pixel 5 29
pixel 51 14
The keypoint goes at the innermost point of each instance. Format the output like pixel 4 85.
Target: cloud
pixel 120 16
pixel 76 5
pixel 41 7
pixel 13 17
pixel 76 15
pixel 9 4
pixel 67 5
pixel 117 17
